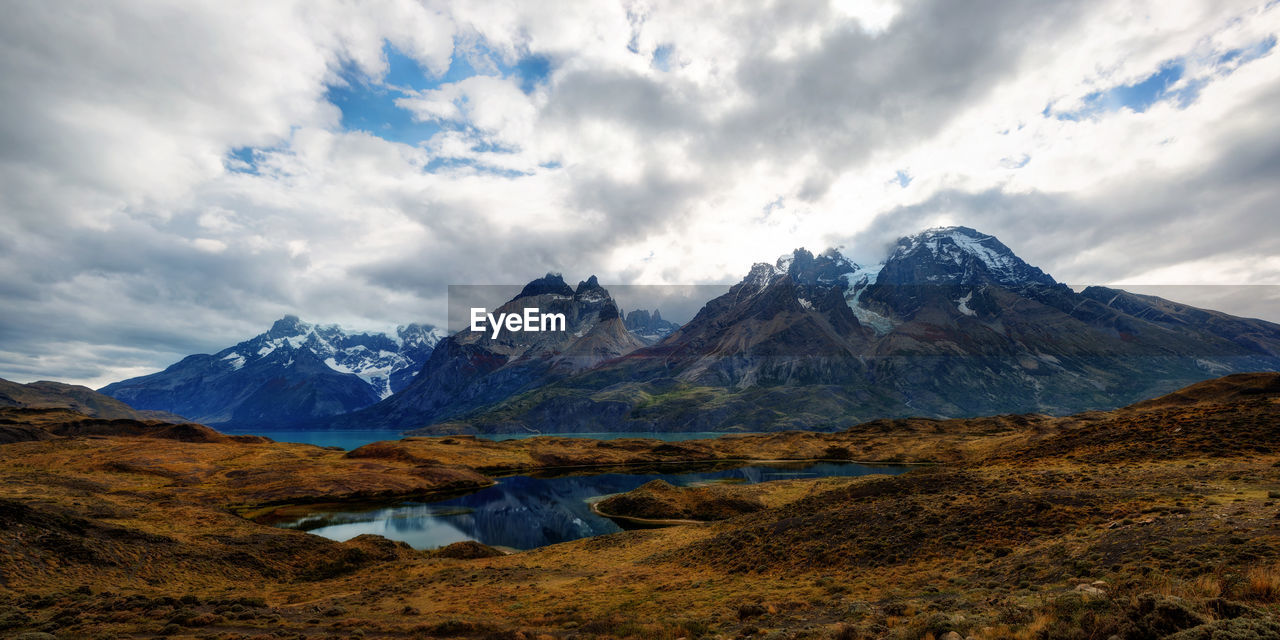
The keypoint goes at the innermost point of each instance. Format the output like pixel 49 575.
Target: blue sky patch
pixel 662 57
pixel 1138 96
pixel 369 104
pixel 1246 54
pixel 242 160
pixel 532 71
pixel 902 178
pixel 1158 86
pixel 372 108
pixel 439 164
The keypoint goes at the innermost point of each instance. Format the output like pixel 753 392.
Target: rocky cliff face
pixel 951 324
pixel 650 327
pixel 290 375
pixel 473 369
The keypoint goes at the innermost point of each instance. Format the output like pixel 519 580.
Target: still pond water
pixel 523 512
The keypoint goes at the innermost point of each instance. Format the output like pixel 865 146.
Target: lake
pixel 355 438
pixel 524 512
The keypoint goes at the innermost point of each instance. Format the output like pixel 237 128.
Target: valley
pixel 1141 522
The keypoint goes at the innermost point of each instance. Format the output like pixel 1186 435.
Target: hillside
pixel 1143 522
pixel 58 395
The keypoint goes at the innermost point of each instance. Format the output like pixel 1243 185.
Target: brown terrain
pixel 83 400
pixel 1157 520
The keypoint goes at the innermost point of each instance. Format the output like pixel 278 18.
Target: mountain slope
pixel 290 375
pixel 951 324
pixel 470 369
pixel 83 400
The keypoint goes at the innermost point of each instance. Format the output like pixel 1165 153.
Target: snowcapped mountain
pixel 385 363
pixel 952 323
pixel 288 375
pixel 959 255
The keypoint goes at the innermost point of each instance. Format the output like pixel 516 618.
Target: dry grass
pixel 1262 583
pixel 135 538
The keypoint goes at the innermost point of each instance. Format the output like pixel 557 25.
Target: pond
pixel 524 512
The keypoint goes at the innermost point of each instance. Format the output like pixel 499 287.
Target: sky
pixel 176 175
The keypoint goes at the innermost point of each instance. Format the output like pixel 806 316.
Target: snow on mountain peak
pixel 762 274
pixel 382 361
pixel 963 253
pixel 418 335
pixel 954 242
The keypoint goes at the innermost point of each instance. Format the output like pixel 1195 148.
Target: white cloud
pixel 651 152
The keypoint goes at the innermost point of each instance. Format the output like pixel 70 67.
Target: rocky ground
pixel 1159 520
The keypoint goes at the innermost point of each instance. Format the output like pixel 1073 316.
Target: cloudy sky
pixel 176 175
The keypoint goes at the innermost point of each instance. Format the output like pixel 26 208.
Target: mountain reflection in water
pixel 524 512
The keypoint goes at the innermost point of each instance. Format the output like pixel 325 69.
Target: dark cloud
pixel 855 92
pixel 126 243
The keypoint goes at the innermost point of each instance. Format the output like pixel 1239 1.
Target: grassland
pixel 1159 520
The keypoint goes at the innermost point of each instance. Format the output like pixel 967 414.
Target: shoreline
pixel 257 513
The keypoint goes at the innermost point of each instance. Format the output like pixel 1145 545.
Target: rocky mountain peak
pixel 650 326
pixel 762 275
pixel 958 255
pixel 825 269
pixel 588 285
pixel 552 283
pixel 419 335
pixel 288 326
pixel 590 292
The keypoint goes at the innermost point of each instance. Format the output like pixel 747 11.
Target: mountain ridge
pixel 951 324
pixel 290 374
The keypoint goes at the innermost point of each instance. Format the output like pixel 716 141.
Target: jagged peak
pixel 288 326
pixel 588 285
pixel 590 292
pixel 797 256
pixel 802 259
pixel 761 274
pixel 552 283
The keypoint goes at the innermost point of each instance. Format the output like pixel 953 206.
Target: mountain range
pixel 291 375
pixel 952 323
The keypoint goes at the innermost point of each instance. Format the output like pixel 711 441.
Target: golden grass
pixel 1262 583
pixel 1190 524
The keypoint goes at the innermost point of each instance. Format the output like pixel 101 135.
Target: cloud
pixel 171 180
